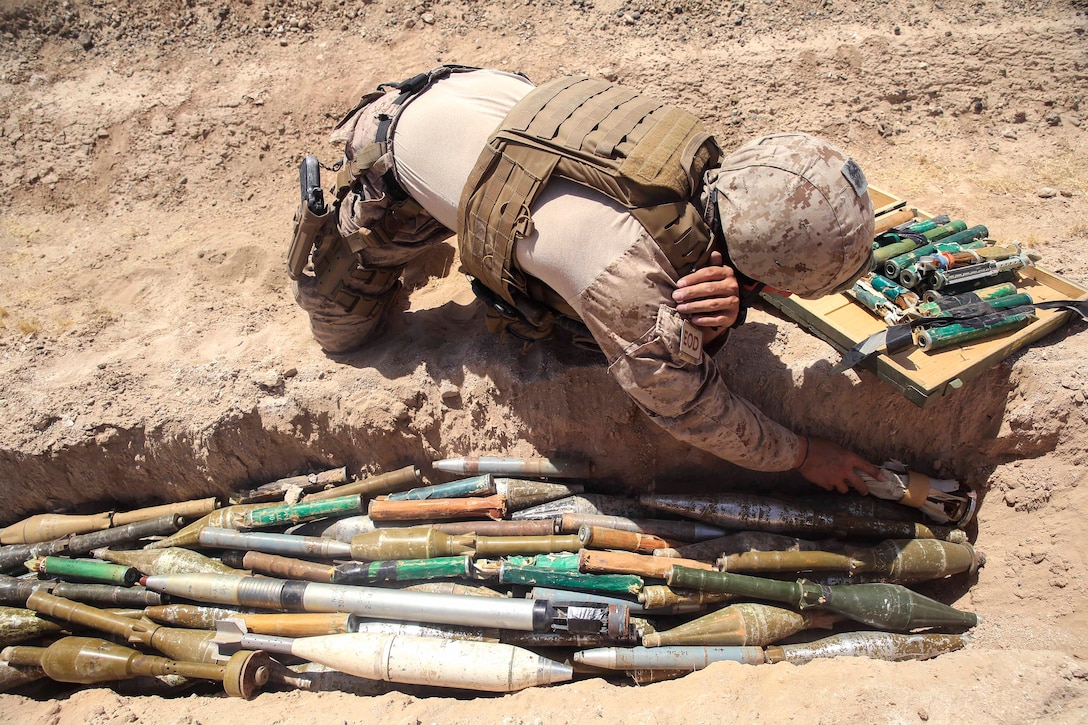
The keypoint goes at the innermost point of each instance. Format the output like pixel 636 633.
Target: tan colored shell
pixel 796 214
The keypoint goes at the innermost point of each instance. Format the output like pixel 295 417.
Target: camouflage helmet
pixel 796 214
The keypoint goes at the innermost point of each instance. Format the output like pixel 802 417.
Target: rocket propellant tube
pixel 877 645
pixel 318 547
pixel 666 658
pixel 269 593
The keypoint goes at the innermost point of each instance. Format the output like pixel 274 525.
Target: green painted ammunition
pixel 287 514
pixel 563 579
pixel 475 486
pixel 937 338
pixel 84 570
pixel 944 230
pixel 997 295
pixel 381 572
pixel 884 606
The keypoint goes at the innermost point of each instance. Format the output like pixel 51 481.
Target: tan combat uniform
pixel 589 250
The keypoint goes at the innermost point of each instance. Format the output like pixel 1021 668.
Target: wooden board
pixel 925 376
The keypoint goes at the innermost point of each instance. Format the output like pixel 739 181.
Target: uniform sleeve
pixel 629 310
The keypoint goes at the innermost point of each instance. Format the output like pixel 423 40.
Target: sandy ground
pixel 150 350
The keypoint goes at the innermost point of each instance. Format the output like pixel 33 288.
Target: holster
pixel 311 230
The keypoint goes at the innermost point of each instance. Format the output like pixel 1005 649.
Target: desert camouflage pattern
pixel 796 214
pixel 367 205
pixel 629 310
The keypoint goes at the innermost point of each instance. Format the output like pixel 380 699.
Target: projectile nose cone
pixel 558 672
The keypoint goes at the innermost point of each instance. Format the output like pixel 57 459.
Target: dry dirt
pixel 150 350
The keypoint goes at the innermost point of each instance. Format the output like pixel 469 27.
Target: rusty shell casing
pixel 409 543
pixel 308 483
pixel 545 467
pixel 279 566
pixel 487 546
pixel 88 571
pixel 190 615
pixel 317 547
pixel 662 597
pixel 876 645
pixel 19 625
pixel 173 560
pixel 521 493
pixel 398 480
pixel 190 645
pixel 89 660
pixel 883 606
pixel 16 591
pixel 540 527
pixel 187 509
pixel 46 527
pixel 382 572
pixel 898 560
pixel 743 623
pixel 12 557
pixel 475 486
pixel 667 658
pixel 586 503
pixel 300 624
pixel 12 676
pixel 598 537
pixel 591 561
pixel 492 507
pixel 285 514
pixel 748 512
pixel 224 518
pixel 664 528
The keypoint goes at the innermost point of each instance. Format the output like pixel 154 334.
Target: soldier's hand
pixel 710 296
pixel 832 467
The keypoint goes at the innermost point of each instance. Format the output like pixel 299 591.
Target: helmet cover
pixel 796 214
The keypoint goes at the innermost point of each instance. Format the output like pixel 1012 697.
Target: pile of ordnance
pixel 954 276
pixel 508 577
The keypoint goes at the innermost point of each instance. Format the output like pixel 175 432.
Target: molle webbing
pixel 648 156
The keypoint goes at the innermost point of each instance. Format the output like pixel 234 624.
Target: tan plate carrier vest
pixel 648 156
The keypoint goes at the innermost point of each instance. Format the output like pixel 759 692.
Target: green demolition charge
pixel 380 572
pixel 562 579
pixel 84 570
pixel 305 511
pixel 941 337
